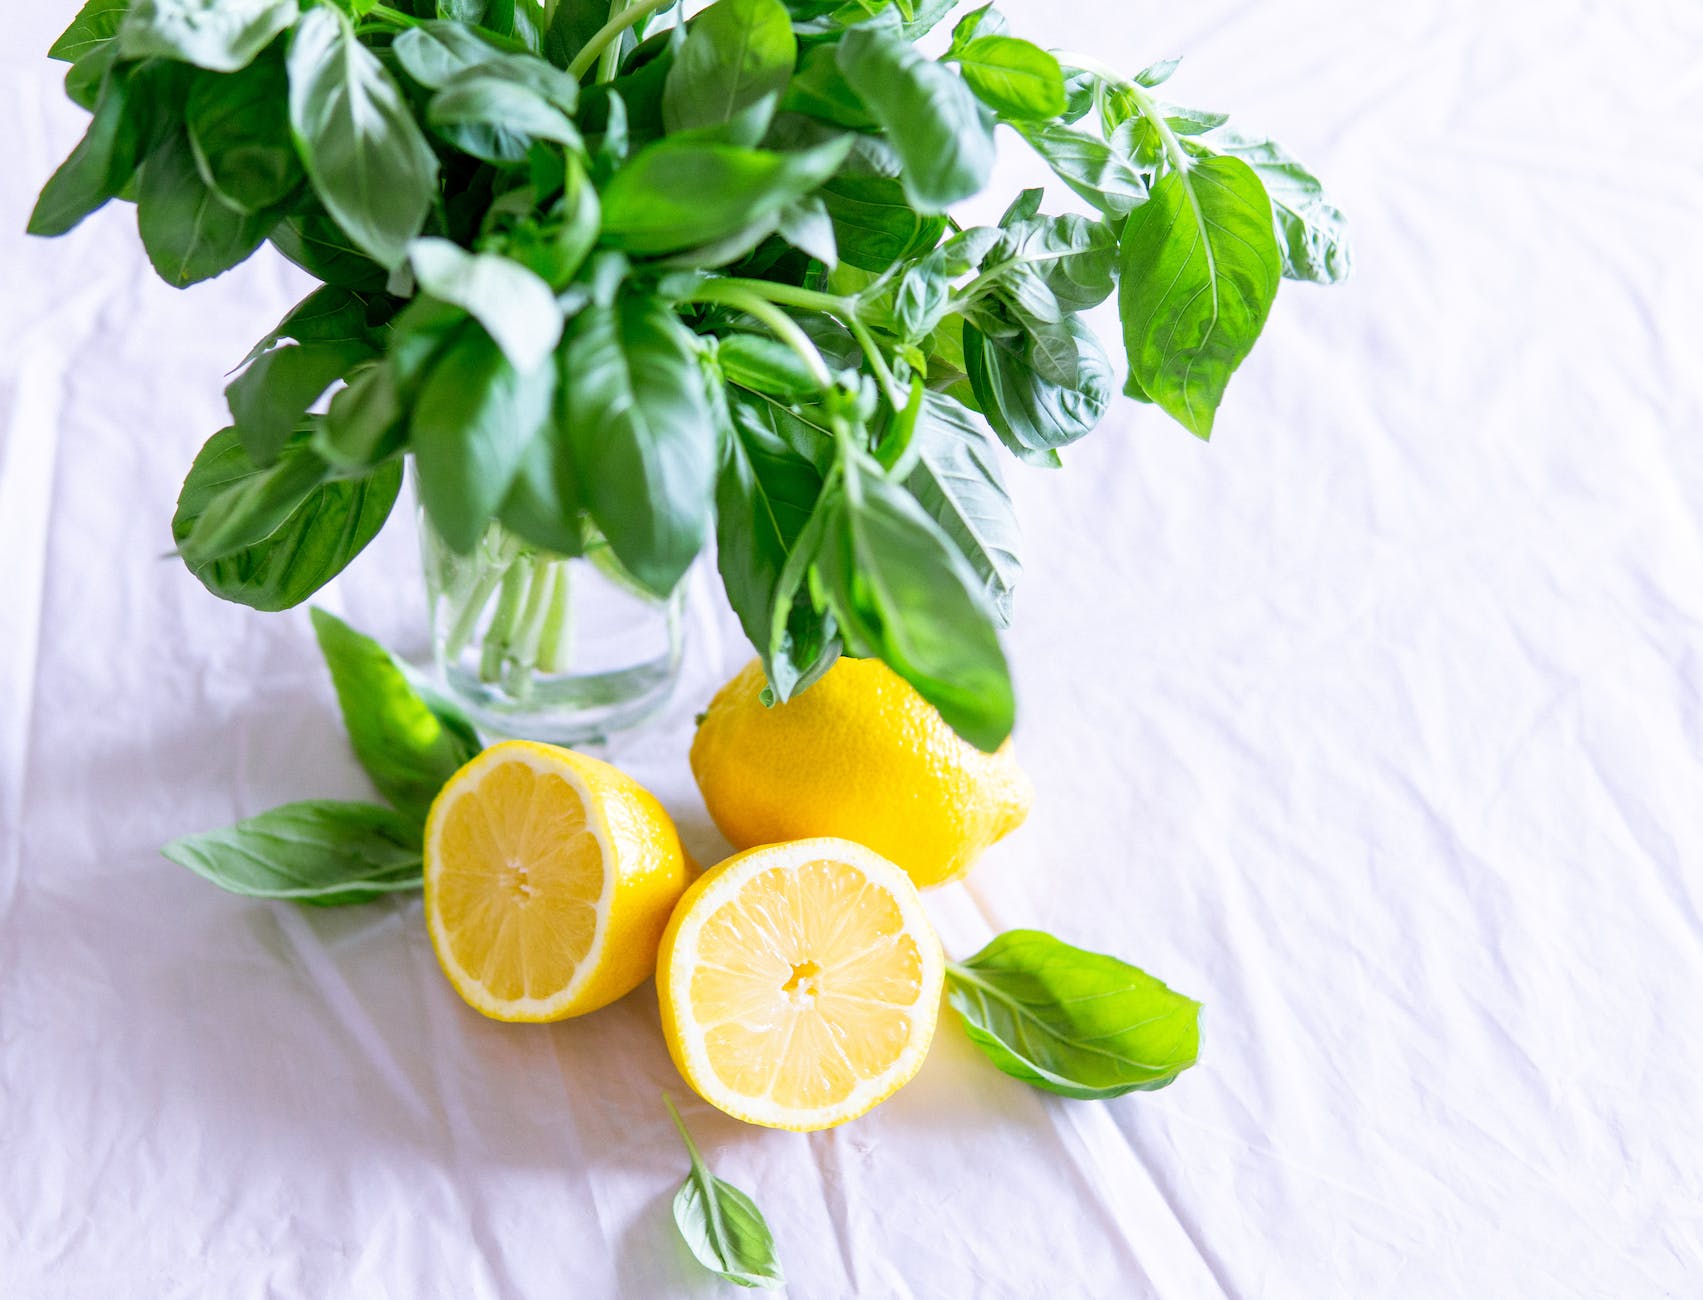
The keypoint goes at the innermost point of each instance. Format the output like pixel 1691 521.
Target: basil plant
pixel 668 277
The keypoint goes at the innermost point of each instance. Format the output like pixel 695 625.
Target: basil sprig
pixel 679 277
pixel 329 853
pixel 1074 1022
pixel 721 1225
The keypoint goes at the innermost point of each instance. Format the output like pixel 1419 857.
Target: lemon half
pixel 550 877
pixel 800 983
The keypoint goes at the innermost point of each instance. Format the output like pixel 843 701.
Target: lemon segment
pixel 549 879
pixel 861 756
pixel 800 983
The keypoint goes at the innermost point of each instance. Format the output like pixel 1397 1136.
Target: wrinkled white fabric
pixel 1375 725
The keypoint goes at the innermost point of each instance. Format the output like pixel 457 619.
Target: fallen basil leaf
pixel 409 744
pixel 319 851
pixel 1077 1023
pixel 721 1224
pixel 1200 266
pixel 369 162
pixel 223 36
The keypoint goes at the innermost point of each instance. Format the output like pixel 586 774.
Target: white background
pixel 1375 725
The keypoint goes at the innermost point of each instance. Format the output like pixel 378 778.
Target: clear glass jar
pixel 548 647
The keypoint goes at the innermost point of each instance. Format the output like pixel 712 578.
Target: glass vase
pixel 540 646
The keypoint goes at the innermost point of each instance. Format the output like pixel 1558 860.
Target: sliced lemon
pixel 800 983
pixel 550 877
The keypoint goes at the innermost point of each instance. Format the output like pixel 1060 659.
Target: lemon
pixel 799 983
pixel 859 755
pixel 549 879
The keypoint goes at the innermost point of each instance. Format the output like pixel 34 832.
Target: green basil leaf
pixel 957 482
pixel 1077 1023
pixel 99 167
pixel 765 365
pixel 986 21
pixel 189 233
pixel 239 128
pixel 543 505
pixel 680 193
pixel 765 494
pixel 95 27
pixel 738 55
pixel 1075 257
pixel 572 24
pixel 270 537
pixel 1032 415
pixel 1091 167
pixel 1200 266
pixel 472 421
pixel 496 110
pixel 434 52
pixel 317 851
pixel 902 592
pixel 1156 74
pixel 634 406
pixel 409 744
pixel 922 296
pixel 943 135
pixel 807 226
pixel 221 35
pixel 556 246
pixel 819 89
pixel 1311 234
pixel 369 164
pixel 516 308
pixel 317 244
pixel 362 427
pixel 875 225
pixel 1014 78
pixel 270 397
pixel 330 314
pixel 721 1225
pixel 84 79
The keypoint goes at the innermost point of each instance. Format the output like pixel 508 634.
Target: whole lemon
pixel 861 756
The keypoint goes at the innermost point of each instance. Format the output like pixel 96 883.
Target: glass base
pixel 568 710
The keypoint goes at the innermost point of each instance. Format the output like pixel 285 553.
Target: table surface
pixel 1375 725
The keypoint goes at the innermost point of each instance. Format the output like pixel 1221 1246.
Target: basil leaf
pixel 330 314
pixel 239 128
pixel 957 482
pixel 269 538
pixel 95 27
pixel 1091 167
pixel 317 244
pixel 1073 1022
pixel 1074 256
pixel 738 54
pixel 1311 234
pixel 874 225
pixel 1200 267
pixel 270 397
pixel 434 52
pixel 362 427
pixel 222 36
pixel 572 24
pixel 806 225
pixel 497 109
pixel 318 851
pixel 189 233
pixel 369 164
pixel 679 193
pixel 516 308
pixel 634 407
pixel 902 593
pixel 819 89
pixel 1013 77
pixel 765 365
pixel 472 421
pixel 764 497
pixel 986 21
pixel 721 1225
pixel 943 136
pixel 1034 415
pixel 409 744
pixel 99 167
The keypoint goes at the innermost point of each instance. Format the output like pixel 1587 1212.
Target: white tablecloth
pixel 1375 725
